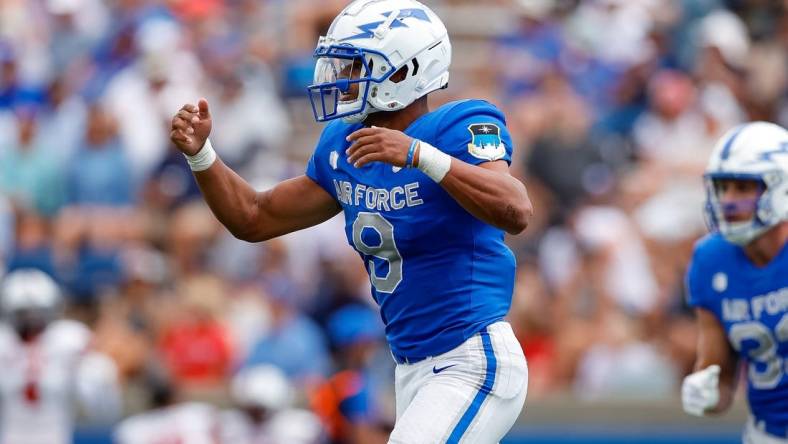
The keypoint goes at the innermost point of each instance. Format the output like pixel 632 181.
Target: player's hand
pixel 191 127
pixel 700 391
pixel 378 145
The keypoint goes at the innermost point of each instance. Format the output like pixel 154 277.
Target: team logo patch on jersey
pixel 486 141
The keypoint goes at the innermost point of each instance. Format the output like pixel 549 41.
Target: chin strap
pixel 360 116
pixel 355 118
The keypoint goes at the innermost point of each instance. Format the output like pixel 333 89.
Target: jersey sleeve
pixel 475 132
pixel 317 168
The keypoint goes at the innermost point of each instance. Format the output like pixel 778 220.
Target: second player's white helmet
pixel 370 41
pixel 758 152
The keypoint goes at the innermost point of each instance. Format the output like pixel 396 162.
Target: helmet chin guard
pixel 358 117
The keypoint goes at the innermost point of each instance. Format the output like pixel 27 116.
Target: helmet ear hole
pixel 400 75
pixel 415 67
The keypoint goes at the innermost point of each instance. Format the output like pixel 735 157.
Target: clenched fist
pixel 191 127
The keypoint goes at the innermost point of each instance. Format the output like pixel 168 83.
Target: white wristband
pixel 433 162
pixel 203 159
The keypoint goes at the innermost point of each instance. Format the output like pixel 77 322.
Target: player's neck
pixel 399 120
pixel 762 250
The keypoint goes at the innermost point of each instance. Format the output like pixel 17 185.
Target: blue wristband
pixel 411 153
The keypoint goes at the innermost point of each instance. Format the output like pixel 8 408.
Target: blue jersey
pixel 752 305
pixel 439 274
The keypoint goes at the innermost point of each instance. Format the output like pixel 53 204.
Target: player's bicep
pixel 292 205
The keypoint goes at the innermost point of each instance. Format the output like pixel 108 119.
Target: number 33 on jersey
pixel 438 273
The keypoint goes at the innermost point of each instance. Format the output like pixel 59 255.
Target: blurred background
pixel 614 107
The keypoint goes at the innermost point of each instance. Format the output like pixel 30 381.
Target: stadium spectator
pixel 265 411
pixel 30 172
pixel 32 245
pixel 195 345
pixel 349 401
pixel 101 176
pixel 294 342
pixel 51 370
pixel 169 420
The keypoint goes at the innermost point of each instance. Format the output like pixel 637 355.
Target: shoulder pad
pixel 67 336
pixel 453 112
pixel 712 248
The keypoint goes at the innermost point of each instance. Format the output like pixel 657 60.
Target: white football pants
pixel 754 435
pixel 472 394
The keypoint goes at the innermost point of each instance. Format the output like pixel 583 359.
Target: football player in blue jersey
pixel 738 282
pixel 427 197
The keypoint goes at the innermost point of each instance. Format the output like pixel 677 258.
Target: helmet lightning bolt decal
pixel 368 29
pixel 782 149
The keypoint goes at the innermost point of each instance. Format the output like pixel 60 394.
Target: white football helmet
pixel 370 41
pixel 28 289
pixel 263 386
pixel 29 300
pixel 755 151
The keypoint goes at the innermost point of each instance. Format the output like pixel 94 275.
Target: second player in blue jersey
pixel 738 282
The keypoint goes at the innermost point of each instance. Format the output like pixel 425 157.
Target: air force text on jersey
pixel 748 309
pixel 378 199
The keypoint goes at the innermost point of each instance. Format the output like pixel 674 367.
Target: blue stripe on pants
pixel 478 400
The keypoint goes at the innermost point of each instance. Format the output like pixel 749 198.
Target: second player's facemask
pixel 728 216
pixel 343 75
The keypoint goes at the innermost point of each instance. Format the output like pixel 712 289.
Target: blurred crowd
pixel 614 107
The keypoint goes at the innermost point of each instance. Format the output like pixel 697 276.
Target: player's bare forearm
pixel 714 349
pixel 249 215
pixel 230 198
pixel 254 216
pixel 490 193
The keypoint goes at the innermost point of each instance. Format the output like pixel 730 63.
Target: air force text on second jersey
pixel 747 309
pixel 378 199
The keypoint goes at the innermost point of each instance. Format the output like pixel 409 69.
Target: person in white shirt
pixel 49 370
pixel 264 412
